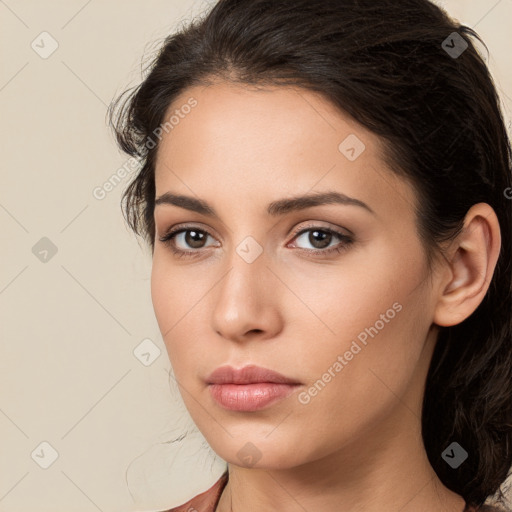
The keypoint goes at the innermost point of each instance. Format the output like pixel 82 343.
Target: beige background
pixel 69 325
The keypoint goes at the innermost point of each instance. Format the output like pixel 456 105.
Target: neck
pixel 356 479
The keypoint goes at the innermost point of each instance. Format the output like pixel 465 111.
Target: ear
pixel 469 266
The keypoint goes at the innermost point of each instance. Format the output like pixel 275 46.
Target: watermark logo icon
pixel 249 454
pixel 352 147
pixel 454 45
pixel 44 45
pixel 146 352
pixel 454 455
pixel 44 250
pixel 45 455
pixel 249 250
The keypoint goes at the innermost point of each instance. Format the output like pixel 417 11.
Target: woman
pixel 325 187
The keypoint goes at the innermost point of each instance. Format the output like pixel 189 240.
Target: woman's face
pixel 334 296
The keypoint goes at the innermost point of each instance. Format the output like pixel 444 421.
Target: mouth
pixel 251 388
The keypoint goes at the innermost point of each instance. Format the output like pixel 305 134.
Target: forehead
pixel 274 117
pixel 272 142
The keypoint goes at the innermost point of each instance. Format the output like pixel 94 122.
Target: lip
pixel 250 374
pixel 250 388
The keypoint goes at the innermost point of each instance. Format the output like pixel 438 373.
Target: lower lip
pixel 249 397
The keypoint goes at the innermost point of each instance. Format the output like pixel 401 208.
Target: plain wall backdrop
pixel 88 407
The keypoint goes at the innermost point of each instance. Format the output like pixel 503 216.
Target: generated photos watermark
pixel 355 348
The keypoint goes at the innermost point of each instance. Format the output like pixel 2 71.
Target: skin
pixel 357 442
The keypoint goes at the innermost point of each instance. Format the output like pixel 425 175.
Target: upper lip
pixel 247 375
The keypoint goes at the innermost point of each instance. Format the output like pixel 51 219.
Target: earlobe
pixel 471 263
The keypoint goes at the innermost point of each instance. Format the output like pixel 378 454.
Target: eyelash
pixel 346 241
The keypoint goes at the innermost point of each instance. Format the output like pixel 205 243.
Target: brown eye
pixel 320 239
pixel 194 238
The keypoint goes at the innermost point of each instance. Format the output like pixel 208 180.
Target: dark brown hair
pixel 400 68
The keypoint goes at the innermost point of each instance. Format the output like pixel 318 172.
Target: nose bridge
pixel 245 299
pixel 247 269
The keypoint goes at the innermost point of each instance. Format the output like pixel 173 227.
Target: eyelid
pixel 319 225
pixel 186 226
pixel 297 231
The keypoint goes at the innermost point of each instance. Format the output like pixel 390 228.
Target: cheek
pixel 171 292
pixel 180 310
pixel 161 294
pixel 168 303
pixel 354 384
pixel 339 302
pixel 365 321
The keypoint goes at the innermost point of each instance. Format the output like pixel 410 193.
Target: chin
pixel 258 451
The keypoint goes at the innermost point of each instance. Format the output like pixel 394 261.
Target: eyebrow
pixel 276 208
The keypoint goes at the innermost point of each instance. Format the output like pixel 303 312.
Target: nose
pixel 246 302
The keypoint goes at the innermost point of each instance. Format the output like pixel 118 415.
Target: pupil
pixel 194 242
pixel 323 237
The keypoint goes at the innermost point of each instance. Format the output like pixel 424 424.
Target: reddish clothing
pixel 485 508
pixel 208 500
